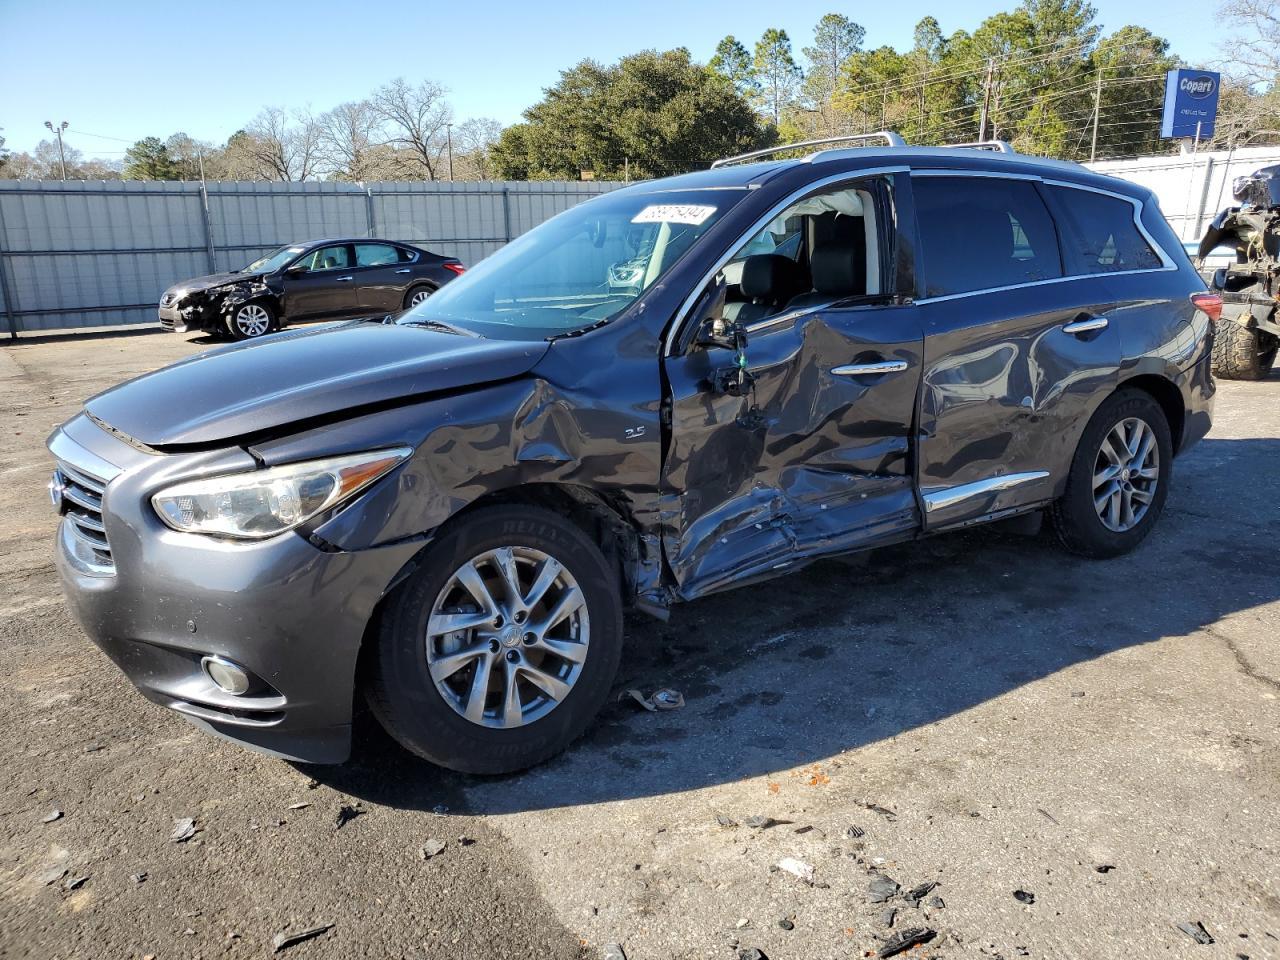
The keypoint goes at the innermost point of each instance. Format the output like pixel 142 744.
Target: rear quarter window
pixel 981 233
pixel 1099 233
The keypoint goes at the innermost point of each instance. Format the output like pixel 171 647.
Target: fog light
pixel 227 676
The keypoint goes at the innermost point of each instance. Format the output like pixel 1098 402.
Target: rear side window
pixel 1099 234
pixel 979 233
pixel 375 254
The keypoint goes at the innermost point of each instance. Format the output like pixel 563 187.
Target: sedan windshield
pixel 577 270
pixel 273 261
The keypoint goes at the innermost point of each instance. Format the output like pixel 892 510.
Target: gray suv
pixel 676 388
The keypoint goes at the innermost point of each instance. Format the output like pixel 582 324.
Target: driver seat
pixel 769 280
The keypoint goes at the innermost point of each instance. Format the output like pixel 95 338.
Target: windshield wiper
pixel 441 326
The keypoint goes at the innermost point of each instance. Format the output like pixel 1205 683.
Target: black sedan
pixel 317 280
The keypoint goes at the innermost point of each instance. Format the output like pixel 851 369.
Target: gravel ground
pixel 978 710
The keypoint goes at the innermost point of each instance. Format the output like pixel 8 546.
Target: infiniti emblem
pixel 57 486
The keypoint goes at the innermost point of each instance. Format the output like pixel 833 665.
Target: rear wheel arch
pixel 1166 393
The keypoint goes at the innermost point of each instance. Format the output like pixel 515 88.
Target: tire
pixel 426 714
pixel 1242 353
pixel 251 320
pixel 1082 525
pixel 416 295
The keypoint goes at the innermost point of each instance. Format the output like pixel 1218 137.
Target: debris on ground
pixel 140 877
pixel 905 940
pixel 760 822
pixel 614 951
pixel 302 805
pixel 283 941
pixel 742 922
pixel 431 848
pixel 887 915
pixel 1024 896
pixel 51 816
pixel 464 841
pixel 92 748
pixel 937 903
pixel 1048 816
pixel 854 833
pixel 876 808
pixel 52 876
pixel 664 699
pixel 1196 931
pixel 725 821
pixel 1105 867
pixel 797 868
pixel 183 830
pixel 807 828
pixel 881 888
pixel 347 813
pixel 755 953
pixel 75 883
pixel 786 924
pixel 919 892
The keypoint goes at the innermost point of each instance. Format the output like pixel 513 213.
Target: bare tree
pixel 283 146
pixel 348 134
pixel 472 142
pixel 416 119
pixel 1254 46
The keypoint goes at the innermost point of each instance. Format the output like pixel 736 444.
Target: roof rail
pixel 997 146
pixel 889 138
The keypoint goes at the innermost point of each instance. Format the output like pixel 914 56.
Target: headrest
pixel 770 276
pixel 839 270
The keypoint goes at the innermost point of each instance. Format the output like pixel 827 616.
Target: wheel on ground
pixel 502 646
pixel 251 320
pixel 1242 353
pixel 417 294
pixel 1119 477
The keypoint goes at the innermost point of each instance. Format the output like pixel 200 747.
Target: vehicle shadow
pixel 848 653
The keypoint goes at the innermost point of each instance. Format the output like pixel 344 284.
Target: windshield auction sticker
pixel 674 213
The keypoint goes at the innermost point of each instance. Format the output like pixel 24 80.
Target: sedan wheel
pixel 249 321
pixel 418 297
pixel 501 646
pixel 1126 474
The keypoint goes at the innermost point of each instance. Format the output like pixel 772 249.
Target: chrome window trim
pixel 1167 264
pixel 682 315
pixel 940 498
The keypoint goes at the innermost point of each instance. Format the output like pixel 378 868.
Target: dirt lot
pixel 989 713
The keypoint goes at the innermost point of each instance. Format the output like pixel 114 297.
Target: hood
pixel 198 284
pixel 261 385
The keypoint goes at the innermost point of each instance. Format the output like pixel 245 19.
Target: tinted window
pixel 1099 234
pixel 375 254
pixel 406 256
pixel 983 232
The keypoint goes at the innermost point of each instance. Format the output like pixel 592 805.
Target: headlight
pixel 263 503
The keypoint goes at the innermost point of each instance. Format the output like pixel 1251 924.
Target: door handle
pixel 405 270
pixel 342 279
pixel 870 369
pixel 1086 325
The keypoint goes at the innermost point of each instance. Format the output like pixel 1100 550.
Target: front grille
pixel 82 498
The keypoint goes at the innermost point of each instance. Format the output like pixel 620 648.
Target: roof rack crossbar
pixel 998 146
pixel 889 138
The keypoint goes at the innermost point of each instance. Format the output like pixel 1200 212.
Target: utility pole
pixel 986 99
pixel 448 132
pixel 62 157
pixel 1097 109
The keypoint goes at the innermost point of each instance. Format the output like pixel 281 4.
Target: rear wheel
pixel 1119 478
pixel 251 320
pixel 501 648
pixel 417 294
pixel 1242 353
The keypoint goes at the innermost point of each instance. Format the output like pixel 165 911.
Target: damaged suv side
pixel 673 389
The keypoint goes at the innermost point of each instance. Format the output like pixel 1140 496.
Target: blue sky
pixel 139 67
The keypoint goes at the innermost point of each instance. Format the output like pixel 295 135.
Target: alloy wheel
pixel 507 637
pixel 418 297
pixel 252 320
pixel 1125 474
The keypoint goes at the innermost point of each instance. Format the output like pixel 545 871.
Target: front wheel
pixel 250 320
pixel 1119 478
pixel 501 648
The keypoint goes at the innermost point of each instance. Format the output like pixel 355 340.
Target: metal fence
pixel 87 254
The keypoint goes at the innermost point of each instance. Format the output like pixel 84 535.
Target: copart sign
pixel 1190 103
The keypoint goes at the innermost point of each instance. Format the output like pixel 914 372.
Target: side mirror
pixel 296 270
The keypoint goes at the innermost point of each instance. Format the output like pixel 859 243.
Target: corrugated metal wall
pixel 87 254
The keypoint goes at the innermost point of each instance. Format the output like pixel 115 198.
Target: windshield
pixel 273 261
pixel 577 270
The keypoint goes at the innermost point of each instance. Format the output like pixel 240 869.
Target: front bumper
pixel 293 615
pixel 171 318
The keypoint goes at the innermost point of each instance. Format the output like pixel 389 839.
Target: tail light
pixel 455 267
pixel 1210 304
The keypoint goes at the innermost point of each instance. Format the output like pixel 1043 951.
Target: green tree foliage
pixel 149 159
pixel 733 63
pixel 650 114
pixel 777 72
pixel 836 38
